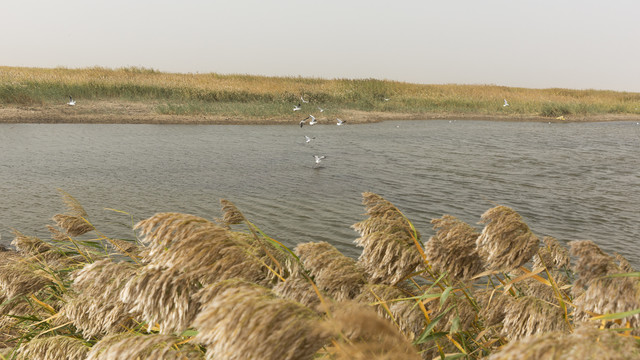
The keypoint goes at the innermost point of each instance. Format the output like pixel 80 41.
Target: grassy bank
pixel 193 288
pixel 144 94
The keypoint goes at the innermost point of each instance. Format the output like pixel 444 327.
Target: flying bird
pixel 297 107
pixel 505 103
pixel 71 101
pixel 303 121
pixel 319 158
pixel 303 100
pixel 386 99
pixel 340 122
pixel 308 139
pixel 321 109
pixel 313 120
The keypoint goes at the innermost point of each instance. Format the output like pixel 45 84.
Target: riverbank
pixel 113 112
pixel 135 95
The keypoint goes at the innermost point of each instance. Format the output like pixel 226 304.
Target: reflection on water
pixel 570 181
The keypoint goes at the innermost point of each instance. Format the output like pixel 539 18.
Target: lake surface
pixel 571 181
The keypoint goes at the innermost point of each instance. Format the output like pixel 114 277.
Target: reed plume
pixel 271 328
pixel 582 344
pixel 552 256
pixel 603 294
pixel 298 289
pixel 19 276
pixel 53 348
pixel 74 220
pixel 337 275
pixel 506 242
pixel 453 248
pixel 231 214
pixel 363 335
pixel 162 296
pixel 528 315
pixel 96 308
pixel 267 250
pixel 200 248
pixel 135 346
pixel 391 245
pixel 493 306
pixel 391 302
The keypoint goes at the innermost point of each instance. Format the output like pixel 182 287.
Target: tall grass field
pixel 187 287
pixel 273 98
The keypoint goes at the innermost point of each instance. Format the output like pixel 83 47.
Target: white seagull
pixel 71 101
pixel 340 122
pixel 321 109
pixel 297 107
pixel 386 99
pixel 303 100
pixel 319 158
pixel 313 120
pixel 303 121
pixel 505 103
pixel 308 139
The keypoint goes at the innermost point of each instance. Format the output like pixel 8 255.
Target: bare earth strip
pixel 111 112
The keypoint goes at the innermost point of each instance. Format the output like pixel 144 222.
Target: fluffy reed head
pixel 134 346
pixel 552 256
pixel 74 220
pixel 582 344
pixel 506 242
pixel 592 263
pixel 604 295
pixel 453 248
pixel 96 308
pixel 493 306
pixel 199 248
pixel 53 348
pixel 162 296
pixel 528 315
pixel 363 335
pixel 240 320
pixel 230 213
pixel 391 303
pixel 390 243
pixel 298 289
pixel 19 276
pixel 337 275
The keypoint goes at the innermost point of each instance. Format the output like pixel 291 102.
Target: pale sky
pixel 539 44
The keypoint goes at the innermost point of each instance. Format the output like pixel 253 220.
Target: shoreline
pixel 97 112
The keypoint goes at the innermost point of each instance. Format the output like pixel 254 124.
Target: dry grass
pixel 201 290
pixel 137 94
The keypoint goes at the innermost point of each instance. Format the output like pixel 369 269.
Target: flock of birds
pixel 312 121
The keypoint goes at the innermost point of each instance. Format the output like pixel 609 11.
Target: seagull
pixel 308 139
pixel 319 158
pixel 340 122
pixel 386 99
pixel 303 100
pixel 71 101
pixel 297 107
pixel 313 120
pixel 303 121
pixel 505 103
pixel 321 109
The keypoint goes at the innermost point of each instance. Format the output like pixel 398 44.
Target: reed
pixel 199 289
pixel 259 97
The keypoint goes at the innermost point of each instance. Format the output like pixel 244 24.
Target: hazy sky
pixel 573 43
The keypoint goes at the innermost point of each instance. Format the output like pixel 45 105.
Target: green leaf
pixel 455 356
pixel 445 295
pixel 616 315
pixel 432 324
pixel 631 274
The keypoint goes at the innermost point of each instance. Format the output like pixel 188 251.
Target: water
pixel 571 181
